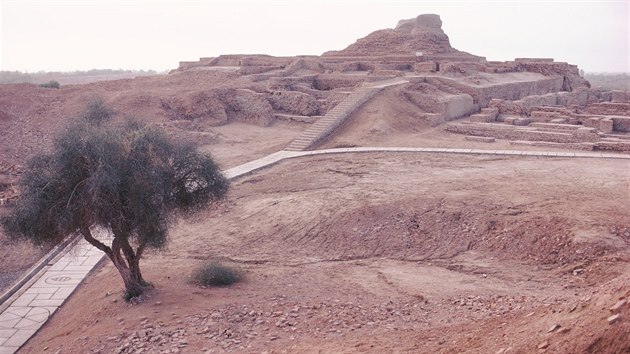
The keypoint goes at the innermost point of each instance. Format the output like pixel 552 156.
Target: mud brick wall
pixel 620 97
pixel 514 133
pixel 457 106
pixel 544 117
pixel 329 82
pixel 620 124
pixel 610 108
pixel 612 146
pixel 425 67
pixel 518 90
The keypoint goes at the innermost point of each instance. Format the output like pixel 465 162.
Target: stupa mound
pixel 422 35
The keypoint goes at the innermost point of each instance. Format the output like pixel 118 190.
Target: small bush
pixel 217 274
pixel 51 84
pixel 97 112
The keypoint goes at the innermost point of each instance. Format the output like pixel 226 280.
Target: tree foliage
pixel 129 179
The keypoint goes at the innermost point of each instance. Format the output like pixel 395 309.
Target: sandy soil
pixel 382 253
pixel 237 143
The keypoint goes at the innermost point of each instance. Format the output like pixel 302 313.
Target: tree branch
pixel 141 247
pixel 72 194
pixel 87 235
pixel 128 251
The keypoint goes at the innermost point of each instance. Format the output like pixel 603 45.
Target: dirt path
pixel 378 253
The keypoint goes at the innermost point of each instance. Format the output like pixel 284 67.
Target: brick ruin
pixel 535 101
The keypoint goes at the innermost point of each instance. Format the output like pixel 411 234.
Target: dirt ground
pixel 382 253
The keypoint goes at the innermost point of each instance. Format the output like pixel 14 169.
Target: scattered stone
pixel 521 121
pixel 543 345
pixel 136 300
pixel 614 318
pixel 578 271
pixel 482 139
pixel 617 307
pixel 554 328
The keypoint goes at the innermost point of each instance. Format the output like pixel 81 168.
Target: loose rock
pixel 614 318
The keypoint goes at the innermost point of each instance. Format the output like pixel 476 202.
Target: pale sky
pixel 81 35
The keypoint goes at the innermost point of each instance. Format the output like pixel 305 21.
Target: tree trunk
pixel 128 265
pixel 134 285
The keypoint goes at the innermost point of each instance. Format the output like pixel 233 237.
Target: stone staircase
pixel 338 114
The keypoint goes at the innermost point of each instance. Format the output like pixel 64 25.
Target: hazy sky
pixel 81 35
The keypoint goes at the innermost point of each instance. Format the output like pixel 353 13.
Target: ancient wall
pixel 308 64
pixel 462 67
pixel 185 65
pixel 619 97
pixel 258 69
pixel 296 103
pixel 487 115
pixel 332 81
pixel 620 123
pixel 517 90
pixel 510 132
pixel 526 105
pixel 458 106
pixel 200 108
pixel 609 108
pixel 510 91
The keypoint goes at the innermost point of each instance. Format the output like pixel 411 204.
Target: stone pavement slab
pixel 32 308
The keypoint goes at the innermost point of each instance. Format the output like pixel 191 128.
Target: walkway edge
pixel 54 252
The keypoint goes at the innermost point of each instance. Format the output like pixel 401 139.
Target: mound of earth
pixel 421 34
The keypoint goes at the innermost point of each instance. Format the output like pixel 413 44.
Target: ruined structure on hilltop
pixel 528 100
pixel 418 37
pixel 534 101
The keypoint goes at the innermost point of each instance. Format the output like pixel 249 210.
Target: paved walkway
pixel 30 307
pixel 274 158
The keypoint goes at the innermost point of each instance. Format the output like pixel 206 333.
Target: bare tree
pixel 129 179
